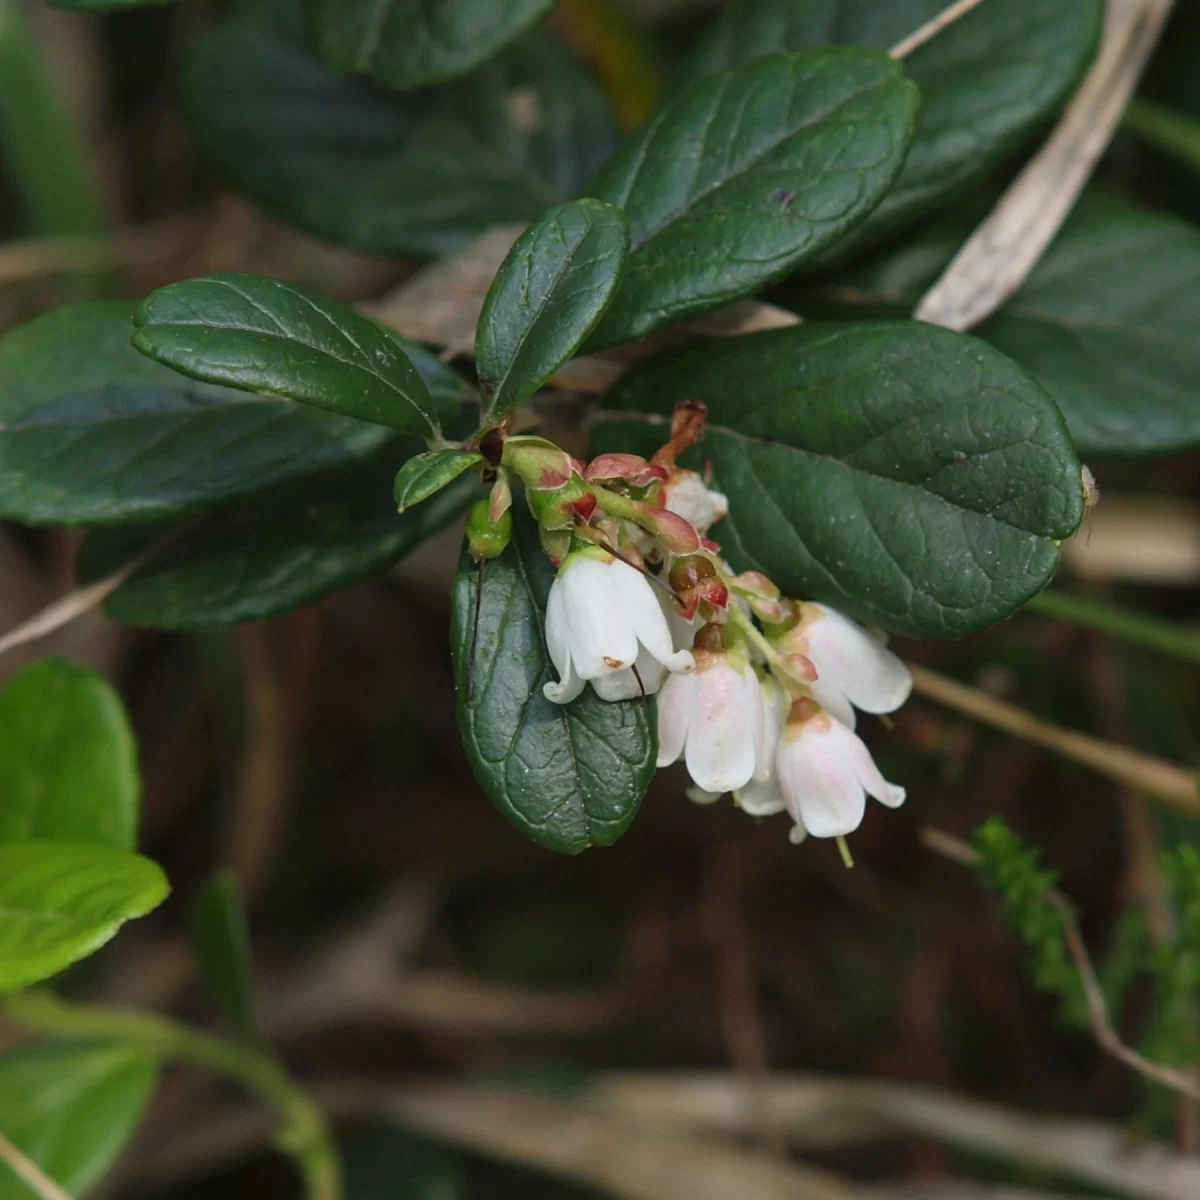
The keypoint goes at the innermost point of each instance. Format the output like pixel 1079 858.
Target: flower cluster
pixel 757 692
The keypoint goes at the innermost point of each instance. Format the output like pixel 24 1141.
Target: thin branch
pixel 74 604
pixel 29 1172
pixel 933 26
pixel 999 255
pixel 1164 781
pixel 1110 1040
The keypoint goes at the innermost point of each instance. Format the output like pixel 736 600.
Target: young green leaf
pixel 568 776
pixel 743 177
pixel 1106 321
pixel 420 173
pixel 221 941
pixel 71 1107
pixel 425 474
pixel 264 335
pixel 909 475
pixel 987 81
pixel 93 433
pixel 412 45
pixel 68 762
pixel 277 554
pixel 547 297
pixel 60 901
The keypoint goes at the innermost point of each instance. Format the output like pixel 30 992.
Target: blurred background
pixel 401 929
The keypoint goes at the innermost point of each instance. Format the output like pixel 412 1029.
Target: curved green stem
pixel 304 1134
pixel 1130 627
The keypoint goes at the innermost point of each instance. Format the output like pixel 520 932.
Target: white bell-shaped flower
pixel 713 720
pixel 854 669
pixel 825 773
pixel 603 620
pixel 761 797
pixel 686 495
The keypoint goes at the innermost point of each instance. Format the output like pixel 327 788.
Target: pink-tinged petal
pixel 722 729
pixel 631 467
pixel 674 708
pixel 833 701
pixel 673 531
pixel 849 659
pixel 818 781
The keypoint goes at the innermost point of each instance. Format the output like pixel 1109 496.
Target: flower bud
pixel 488 538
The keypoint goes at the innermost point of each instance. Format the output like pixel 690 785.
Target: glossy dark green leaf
pixel 71 1107
pixel 277 554
pixel 60 901
pixel 547 297
pixel 1108 321
pixel 406 44
pixel 988 81
pixel 93 433
pixel 264 335
pixel 68 762
pixel 221 941
pixel 568 776
pixel 744 176
pixel 427 473
pixel 420 173
pixel 910 475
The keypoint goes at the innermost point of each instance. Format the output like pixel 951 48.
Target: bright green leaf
pixel 987 81
pixel 71 1107
pixel 93 433
pixel 547 297
pixel 60 901
pixel 425 474
pixel 909 475
pixel 568 776
pixel 68 762
pixel 1107 321
pixel 277 554
pixel 221 940
pixel 419 173
pixel 743 177
pixel 408 44
pixel 264 335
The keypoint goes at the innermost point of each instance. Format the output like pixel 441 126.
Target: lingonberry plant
pixel 703 402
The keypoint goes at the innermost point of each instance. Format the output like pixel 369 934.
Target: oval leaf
pixel 93 433
pixel 908 475
pixel 988 80
pixel 68 762
pixel 426 474
pixel 71 1107
pixel 275 555
pixel 745 176
pixel 1107 320
pixel 264 335
pixel 547 297
pixel 416 174
pixel 60 901
pixel 411 45
pixel 568 776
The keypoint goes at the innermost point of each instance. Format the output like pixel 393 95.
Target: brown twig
pixel 999 255
pixel 1163 780
pixel 932 27
pixel 1102 1027
pixel 29 1172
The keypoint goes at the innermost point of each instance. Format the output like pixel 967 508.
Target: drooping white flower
pixel 825 773
pixel 761 797
pixel 686 495
pixel 603 620
pixel 713 720
pixel 854 669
